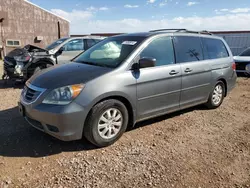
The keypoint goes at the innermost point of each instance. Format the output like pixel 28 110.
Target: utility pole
pixel 1 24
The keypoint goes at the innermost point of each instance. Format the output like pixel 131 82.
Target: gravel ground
pixel 192 148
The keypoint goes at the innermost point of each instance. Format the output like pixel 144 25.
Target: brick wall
pixel 25 21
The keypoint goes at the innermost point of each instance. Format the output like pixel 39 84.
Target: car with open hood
pixel 21 63
pixel 126 79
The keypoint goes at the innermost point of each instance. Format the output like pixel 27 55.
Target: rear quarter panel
pixel 222 69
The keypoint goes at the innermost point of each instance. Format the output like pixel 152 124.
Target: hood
pixel 26 49
pixel 242 58
pixel 67 74
pixel 31 48
pixel 17 52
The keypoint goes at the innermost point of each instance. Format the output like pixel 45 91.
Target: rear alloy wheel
pixel 106 123
pixel 217 96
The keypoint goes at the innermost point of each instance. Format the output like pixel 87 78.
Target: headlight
pixel 248 68
pixel 63 95
pixel 22 58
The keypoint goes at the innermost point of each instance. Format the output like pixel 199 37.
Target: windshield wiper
pixel 95 64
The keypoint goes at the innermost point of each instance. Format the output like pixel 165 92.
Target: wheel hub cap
pixel 110 123
pixel 217 94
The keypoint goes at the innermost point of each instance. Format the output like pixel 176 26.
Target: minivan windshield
pixel 246 52
pixel 110 52
pixel 56 43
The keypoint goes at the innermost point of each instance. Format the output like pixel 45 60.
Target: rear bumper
pixel 63 122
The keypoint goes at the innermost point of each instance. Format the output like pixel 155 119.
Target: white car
pixel 242 62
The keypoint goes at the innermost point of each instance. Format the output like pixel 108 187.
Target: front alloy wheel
pixel 110 123
pixel 106 122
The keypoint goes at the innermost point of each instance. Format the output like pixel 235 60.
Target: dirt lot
pixel 192 148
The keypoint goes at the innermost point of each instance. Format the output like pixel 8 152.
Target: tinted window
pixel 74 45
pixel 56 43
pixel 161 49
pixel 214 48
pixel 188 49
pixel 246 52
pixel 90 42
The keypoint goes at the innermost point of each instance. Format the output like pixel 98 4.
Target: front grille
pixel 241 65
pixel 30 94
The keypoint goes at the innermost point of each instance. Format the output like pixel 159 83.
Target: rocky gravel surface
pixel 192 148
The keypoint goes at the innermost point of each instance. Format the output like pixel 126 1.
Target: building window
pixel 13 43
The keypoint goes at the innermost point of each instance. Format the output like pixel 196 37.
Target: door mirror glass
pixel 147 62
pixel 59 52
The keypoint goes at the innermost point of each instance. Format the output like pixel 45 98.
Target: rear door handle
pixel 173 72
pixel 188 70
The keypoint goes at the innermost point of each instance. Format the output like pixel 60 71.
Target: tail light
pixel 234 66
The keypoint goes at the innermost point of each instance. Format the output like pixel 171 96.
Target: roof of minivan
pixel 149 34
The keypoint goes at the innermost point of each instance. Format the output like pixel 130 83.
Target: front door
pixel 196 72
pixel 158 88
pixel 71 50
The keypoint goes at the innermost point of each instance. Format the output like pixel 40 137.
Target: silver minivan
pixel 126 79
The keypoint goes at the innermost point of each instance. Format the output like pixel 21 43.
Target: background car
pixel 20 64
pixel 243 62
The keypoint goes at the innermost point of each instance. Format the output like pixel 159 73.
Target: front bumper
pixel 63 122
pixel 243 67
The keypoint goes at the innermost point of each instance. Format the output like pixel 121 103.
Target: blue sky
pixel 88 16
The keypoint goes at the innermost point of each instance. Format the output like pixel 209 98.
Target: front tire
pixel 216 96
pixel 106 123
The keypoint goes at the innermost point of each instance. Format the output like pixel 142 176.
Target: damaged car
pixel 21 63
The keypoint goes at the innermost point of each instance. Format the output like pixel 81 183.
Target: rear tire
pixel 106 123
pixel 216 96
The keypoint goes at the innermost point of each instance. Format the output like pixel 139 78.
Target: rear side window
pixel 188 49
pixel 214 48
pixel 90 42
pixel 74 45
pixel 161 49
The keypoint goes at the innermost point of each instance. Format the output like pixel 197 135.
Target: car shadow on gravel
pixel 19 139
pixel 7 84
pixel 167 116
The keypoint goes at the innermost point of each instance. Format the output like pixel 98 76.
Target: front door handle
pixel 188 70
pixel 173 72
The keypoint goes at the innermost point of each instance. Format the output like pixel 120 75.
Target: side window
pixel 161 49
pixel 188 49
pixel 90 43
pixel 215 48
pixel 74 45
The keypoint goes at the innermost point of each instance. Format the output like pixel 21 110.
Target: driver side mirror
pixel 146 62
pixel 60 51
